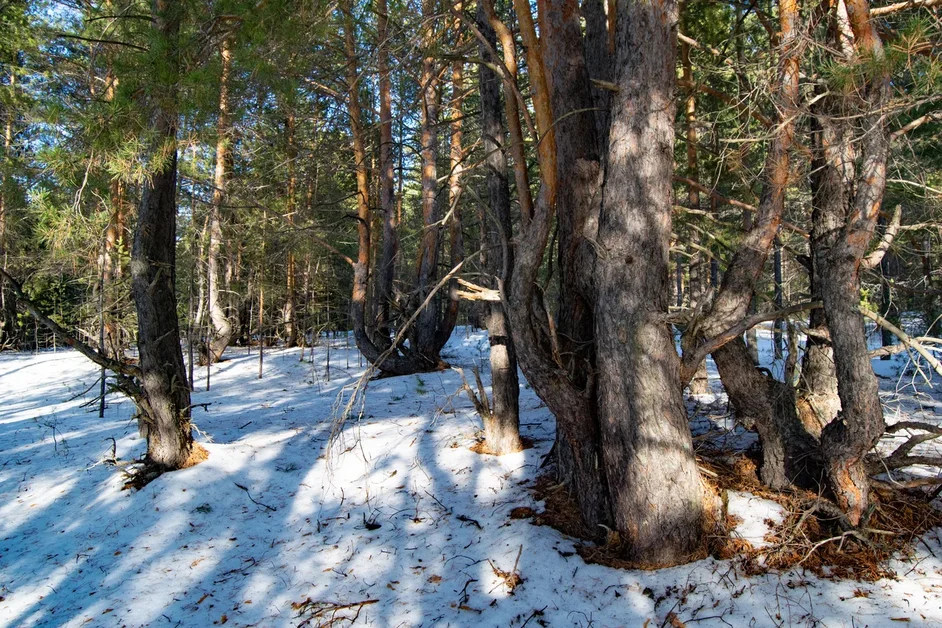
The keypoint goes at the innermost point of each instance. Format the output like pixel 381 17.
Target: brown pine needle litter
pixel 812 536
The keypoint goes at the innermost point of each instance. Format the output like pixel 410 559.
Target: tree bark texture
pixel 502 427
pixel 656 493
pixel 578 202
pixel 844 233
pixel 165 399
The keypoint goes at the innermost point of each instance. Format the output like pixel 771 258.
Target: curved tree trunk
pixel 223 329
pixel 393 362
pixel 790 455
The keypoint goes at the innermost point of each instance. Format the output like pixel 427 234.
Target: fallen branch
pixel 257 503
pixel 904 338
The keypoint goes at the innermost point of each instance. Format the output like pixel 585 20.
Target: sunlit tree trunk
pixel 165 396
pixel 7 302
pixel 223 329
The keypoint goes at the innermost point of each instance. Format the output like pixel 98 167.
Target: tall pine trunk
pixel 165 395
pixel 223 329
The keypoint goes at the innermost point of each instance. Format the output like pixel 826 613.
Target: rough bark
pixel 599 57
pixel 844 233
pixel 165 395
pixel 577 207
pixel 512 112
pixel 502 423
pixel 656 494
pixel 534 339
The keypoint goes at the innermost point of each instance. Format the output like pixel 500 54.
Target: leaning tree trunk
pixel 502 425
pixel 165 395
pixel 656 493
pixel 757 400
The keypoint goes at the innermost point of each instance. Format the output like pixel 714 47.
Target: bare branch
pixel 900 6
pixel 912 343
pixel 691 361
pixel 874 259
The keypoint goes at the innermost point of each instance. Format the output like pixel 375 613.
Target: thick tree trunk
pixel 599 55
pixel 502 426
pixel 577 207
pixel 789 449
pixel 165 396
pixel 223 329
pixel 656 494
pixel 818 401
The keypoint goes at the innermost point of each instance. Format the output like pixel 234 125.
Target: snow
pixel 399 513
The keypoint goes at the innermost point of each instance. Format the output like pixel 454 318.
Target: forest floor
pixel 396 523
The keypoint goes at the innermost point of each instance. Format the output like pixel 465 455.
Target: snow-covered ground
pixel 398 524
